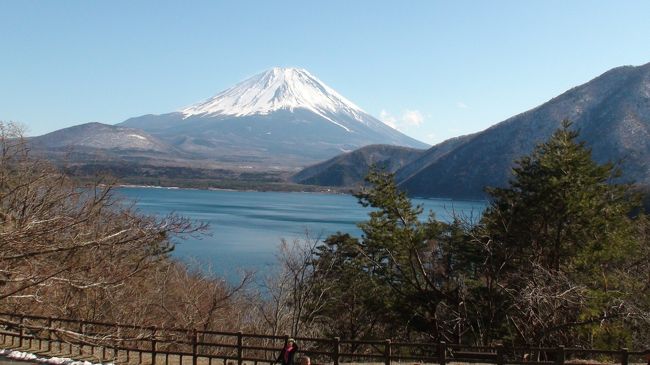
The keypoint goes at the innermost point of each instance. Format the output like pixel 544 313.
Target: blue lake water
pixel 247 227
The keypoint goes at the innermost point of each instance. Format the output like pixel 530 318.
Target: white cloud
pixel 409 118
pixel 412 118
pixel 387 118
pixel 461 105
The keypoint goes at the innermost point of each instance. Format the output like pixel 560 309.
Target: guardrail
pixel 130 344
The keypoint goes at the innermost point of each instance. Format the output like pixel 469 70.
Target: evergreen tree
pixel 352 301
pixel 561 226
pixel 397 278
pixel 404 254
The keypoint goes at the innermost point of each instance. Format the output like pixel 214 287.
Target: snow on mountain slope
pixel 275 89
pixel 283 117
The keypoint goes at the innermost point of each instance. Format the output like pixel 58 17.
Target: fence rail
pixel 131 344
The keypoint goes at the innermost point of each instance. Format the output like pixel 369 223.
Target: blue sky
pixel 434 69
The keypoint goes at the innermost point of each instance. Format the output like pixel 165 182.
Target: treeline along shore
pixel 189 177
pixel 559 257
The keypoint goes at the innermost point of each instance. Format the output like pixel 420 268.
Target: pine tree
pixel 560 204
pixel 400 262
pixel 561 226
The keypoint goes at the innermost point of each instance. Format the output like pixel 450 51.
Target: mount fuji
pixel 281 118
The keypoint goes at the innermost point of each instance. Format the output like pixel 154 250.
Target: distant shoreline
pixel 324 190
pixel 317 190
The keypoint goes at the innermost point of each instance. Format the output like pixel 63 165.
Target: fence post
pixel 624 356
pixel 337 350
pixel 195 346
pixel 387 352
pixel 116 343
pixel 500 359
pixel 82 330
pixel 153 345
pixel 21 333
pixel 559 355
pixel 49 334
pixel 442 352
pixel 240 347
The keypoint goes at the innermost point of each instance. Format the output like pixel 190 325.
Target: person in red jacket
pixel 288 353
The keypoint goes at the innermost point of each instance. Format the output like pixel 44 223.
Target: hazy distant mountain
pixel 611 111
pixel 106 145
pixel 284 117
pixel 101 136
pixel 349 169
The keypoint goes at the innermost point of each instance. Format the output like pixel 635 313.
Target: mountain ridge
pixel 601 109
pixel 350 169
pixel 611 111
pixel 101 136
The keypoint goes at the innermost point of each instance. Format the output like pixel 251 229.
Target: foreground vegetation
pixel 78 252
pixel 560 256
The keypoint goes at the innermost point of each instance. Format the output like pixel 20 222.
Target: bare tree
pixel 63 246
pixel 291 296
pixel 190 297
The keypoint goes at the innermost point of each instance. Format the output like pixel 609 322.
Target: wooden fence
pixel 128 344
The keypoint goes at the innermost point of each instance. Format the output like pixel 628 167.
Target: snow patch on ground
pixel 137 136
pixel 26 356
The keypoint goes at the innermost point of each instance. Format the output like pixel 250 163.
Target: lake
pixel 247 227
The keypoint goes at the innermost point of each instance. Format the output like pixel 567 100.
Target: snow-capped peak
pixel 275 89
